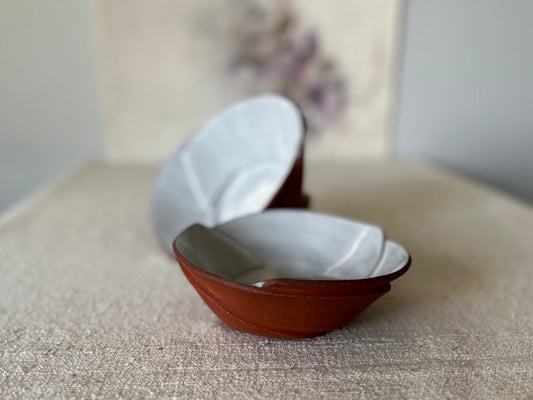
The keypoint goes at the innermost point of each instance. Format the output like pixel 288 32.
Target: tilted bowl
pixel 246 159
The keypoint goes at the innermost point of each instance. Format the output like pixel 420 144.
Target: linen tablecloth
pixel 91 305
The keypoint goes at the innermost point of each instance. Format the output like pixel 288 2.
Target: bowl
pixel 246 159
pixel 289 273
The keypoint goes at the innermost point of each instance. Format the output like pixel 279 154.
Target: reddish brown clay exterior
pixel 290 194
pixel 286 308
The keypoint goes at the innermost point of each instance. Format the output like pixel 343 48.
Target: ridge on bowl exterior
pixel 247 158
pixel 289 273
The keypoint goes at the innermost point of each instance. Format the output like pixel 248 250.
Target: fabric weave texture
pixel 92 306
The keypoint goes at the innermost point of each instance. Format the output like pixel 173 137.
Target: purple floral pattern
pixel 270 51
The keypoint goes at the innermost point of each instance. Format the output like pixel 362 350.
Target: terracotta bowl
pixel 289 273
pixel 246 159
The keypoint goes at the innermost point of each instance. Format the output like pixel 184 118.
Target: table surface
pixel 92 306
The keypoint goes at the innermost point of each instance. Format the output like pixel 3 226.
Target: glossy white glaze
pixel 286 243
pixel 233 166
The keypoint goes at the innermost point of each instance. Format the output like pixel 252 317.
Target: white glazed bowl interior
pixel 294 244
pixel 233 166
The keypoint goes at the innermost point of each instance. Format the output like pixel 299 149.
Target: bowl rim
pixel 294 286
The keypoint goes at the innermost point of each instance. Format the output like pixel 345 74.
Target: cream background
pixel 163 72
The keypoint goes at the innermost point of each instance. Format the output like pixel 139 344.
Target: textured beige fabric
pixel 92 307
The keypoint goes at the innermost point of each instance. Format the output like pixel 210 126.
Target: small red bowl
pixel 289 273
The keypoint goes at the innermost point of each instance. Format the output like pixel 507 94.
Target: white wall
pixel 466 89
pixel 50 117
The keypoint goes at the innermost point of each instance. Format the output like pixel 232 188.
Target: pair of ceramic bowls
pixel 284 272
